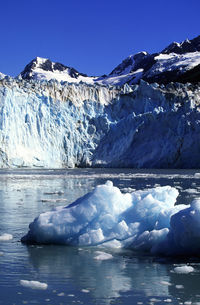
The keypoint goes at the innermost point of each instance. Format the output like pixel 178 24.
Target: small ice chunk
pixel 1 253
pixel 168 300
pixel 61 294
pixel 85 290
pixel 183 269
pixel 192 191
pixel 5 237
pixel 101 256
pixel 165 283
pixel 33 284
pixel 179 287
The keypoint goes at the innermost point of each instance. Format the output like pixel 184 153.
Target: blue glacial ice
pixel 56 125
pixel 146 221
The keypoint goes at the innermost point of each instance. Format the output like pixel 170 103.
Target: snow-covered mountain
pixel 179 62
pixel 44 69
pixel 52 116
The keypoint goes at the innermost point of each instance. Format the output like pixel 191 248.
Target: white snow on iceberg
pixel 143 220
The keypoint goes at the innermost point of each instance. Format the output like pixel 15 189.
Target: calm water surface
pixel 72 274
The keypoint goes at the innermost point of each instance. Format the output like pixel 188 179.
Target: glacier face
pixel 54 125
pixel 49 124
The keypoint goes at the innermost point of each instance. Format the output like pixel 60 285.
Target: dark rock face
pixel 145 62
pixel 27 72
pixel 47 65
pixel 128 62
pixel 142 60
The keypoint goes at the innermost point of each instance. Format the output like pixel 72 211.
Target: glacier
pixel 55 124
pixel 144 221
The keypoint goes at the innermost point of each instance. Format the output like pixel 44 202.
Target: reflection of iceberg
pixel 104 279
pixel 144 220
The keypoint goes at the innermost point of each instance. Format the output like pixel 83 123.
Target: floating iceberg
pixel 147 221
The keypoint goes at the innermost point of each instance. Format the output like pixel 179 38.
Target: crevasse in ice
pixel 146 221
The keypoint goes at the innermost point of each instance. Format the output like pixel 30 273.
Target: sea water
pixel 75 275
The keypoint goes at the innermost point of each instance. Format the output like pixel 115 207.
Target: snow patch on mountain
pixel 173 61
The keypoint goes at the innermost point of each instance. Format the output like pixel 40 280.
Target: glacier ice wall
pixel 49 125
pixel 55 125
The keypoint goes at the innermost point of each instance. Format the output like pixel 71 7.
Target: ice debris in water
pixel 102 256
pixel 179 287
pixel 33 284
pixel 145 220
pixel 5 237
pixel 183 269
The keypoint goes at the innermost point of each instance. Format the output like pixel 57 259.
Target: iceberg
pixel 145 221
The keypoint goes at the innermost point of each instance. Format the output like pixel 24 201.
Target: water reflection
pixel 124 276
pixel 105 279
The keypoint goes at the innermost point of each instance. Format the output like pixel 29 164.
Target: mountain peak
pixel 186 46
pixel 44 68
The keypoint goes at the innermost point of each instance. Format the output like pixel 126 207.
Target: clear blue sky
pixel 91 36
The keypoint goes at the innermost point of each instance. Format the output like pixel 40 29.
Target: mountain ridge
pixel 178 62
